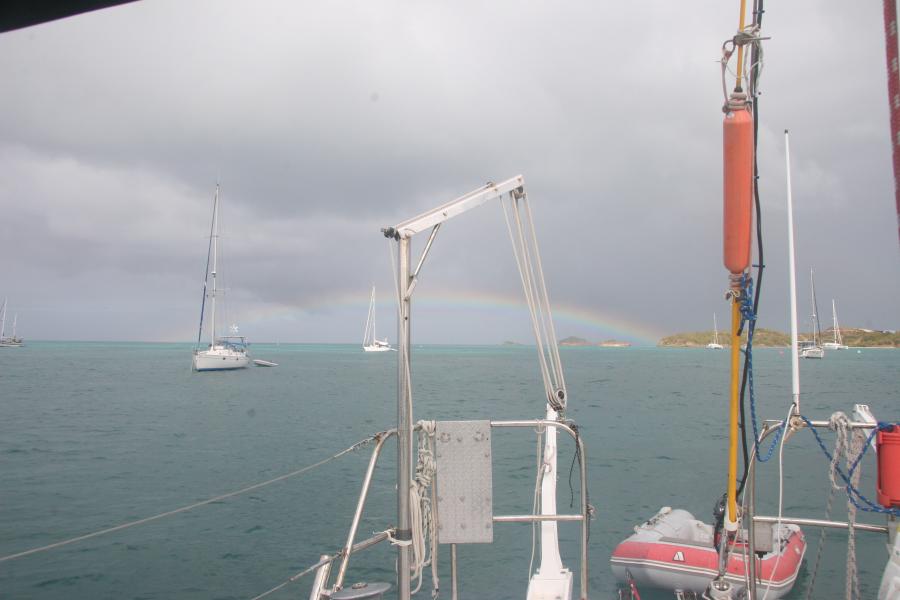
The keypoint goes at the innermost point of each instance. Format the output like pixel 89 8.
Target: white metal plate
pixel 464 482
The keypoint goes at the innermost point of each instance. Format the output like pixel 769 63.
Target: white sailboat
pixel 224 352
pixel 715 345
pixel 370 342
pixel 811 348
pixel 5 341
pixel 838 343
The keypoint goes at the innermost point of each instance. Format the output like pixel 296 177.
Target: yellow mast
pixel 731 506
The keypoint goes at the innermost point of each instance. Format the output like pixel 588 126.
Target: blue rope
pixel 748 316
pixel 853 493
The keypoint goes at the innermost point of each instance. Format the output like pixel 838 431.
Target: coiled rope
pixel 250 488
pixel 856 497
pixel 422 517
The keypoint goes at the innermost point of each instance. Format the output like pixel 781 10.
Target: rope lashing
pixel 856 497
pixel 423 519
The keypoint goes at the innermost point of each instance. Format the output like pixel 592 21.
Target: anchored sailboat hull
pixel 377 347
pixel 220 360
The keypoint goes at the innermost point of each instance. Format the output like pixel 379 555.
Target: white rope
pixel 529 300
pixel 176 511
pixel 848 444
pixel 527 255
pixel 778 546
pixel 422 518
pixel 554 348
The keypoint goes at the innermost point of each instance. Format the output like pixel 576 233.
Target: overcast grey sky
pixel 326 121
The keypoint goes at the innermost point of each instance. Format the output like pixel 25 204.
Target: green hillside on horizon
pixel 855 338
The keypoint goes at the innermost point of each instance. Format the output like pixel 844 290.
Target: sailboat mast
pixel 715 330
pixel 817 328
pixel 3 320
pixel 372 312
pixel 368 319
pixel 15 320
pixel 834 326
pixel 212 321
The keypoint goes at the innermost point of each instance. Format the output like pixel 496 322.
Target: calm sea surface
pixel 96 434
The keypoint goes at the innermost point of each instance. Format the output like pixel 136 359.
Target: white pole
pixel 795 359
pixel 3 319
pixel 551 562
pixel 212 324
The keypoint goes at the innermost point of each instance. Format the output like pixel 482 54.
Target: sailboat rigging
pixel 838 343
pixel 715 345
pixel 812 348
pixel 370 342
pixel 224 352
pixel 8 341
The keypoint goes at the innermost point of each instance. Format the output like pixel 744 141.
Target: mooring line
pixel 176 511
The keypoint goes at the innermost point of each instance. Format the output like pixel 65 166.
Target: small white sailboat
pixel 811 348
pixel 6 341
pixel 838 343
pixel 370 342
pixel 715 345
pixel 224 352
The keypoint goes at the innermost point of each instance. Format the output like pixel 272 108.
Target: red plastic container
pixel 887 444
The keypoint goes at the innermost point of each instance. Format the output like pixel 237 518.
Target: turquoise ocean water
pixel 96 434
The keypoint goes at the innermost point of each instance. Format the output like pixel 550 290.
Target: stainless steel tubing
pixel 404 422
pixel 532 518
pixel 770 426
pixel 585 511
pixel 321 579
pixel 822 523
pixel 751 507
pixel 454 590
pixel 360 505
pixel 824 424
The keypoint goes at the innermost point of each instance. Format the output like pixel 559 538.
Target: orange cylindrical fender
pixel 738 213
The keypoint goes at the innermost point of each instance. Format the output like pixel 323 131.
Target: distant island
pixel 577 341
pixel 855 338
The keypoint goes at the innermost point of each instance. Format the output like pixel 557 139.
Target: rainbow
pixel 594 324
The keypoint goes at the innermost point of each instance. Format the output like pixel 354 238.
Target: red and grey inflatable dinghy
pixel 674 551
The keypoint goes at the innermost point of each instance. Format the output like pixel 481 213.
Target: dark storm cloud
pixel 326 122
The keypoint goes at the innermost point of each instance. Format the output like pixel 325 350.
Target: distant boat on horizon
pixel 370 342
pixel 811 348
pixel 715 345
pixel 838 343
pixel 228 352
pixel 13 341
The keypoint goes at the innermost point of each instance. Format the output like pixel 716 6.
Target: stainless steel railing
pixel 770 427
pixel 323 566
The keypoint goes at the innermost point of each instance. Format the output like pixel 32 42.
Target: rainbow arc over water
pixel 591 323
